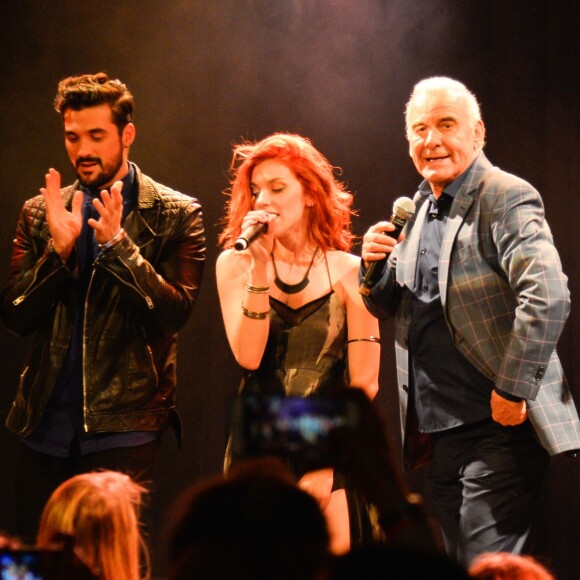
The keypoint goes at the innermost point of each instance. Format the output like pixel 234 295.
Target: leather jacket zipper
pixel 135 286
pixel 86 309
pixel 24 294
pixel 86 306
pixel 145 297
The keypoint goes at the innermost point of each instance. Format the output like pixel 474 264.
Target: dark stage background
pixel 206 74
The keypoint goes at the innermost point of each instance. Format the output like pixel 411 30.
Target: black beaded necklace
pixel 293 288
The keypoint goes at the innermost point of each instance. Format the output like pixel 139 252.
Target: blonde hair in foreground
pixel 100 510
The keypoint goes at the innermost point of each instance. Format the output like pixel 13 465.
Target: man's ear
pixel 128 135
pixel 479 134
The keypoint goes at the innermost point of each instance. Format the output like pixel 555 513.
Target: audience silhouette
pixel 254 524
pixel 506 566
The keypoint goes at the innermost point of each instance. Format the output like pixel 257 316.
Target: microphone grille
pixel 404 208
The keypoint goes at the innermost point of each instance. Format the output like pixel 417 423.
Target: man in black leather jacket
pixel 102 276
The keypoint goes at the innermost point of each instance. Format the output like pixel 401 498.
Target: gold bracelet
pixel 369 339
pixel 257 289
pixel 255 315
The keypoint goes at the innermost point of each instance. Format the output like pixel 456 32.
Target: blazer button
pixel 540 373
pixel 405 388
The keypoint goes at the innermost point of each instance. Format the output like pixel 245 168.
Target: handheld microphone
pixel 403 210
pixel 250 234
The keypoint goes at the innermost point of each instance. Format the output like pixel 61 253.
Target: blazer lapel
pixel 459 209
pixel 463 201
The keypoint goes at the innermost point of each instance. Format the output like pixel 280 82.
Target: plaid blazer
pixel 504 295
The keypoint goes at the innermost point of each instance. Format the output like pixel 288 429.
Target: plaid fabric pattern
pixel 505 296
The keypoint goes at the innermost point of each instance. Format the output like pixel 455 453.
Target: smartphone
pixel 21 564
pixel 30 563
pixel 296 427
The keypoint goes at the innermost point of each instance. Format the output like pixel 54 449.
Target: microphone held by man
pixel 403 210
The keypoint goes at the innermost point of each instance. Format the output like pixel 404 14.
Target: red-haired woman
pixel 292 311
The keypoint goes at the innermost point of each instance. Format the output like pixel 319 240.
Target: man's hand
pixel 64 226
pixel 110 208
pixel 376 243
pixel 507 413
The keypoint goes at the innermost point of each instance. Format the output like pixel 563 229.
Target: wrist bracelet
pixel 114 240
pixel 50 249
pixel 369 339
pixel 257 289
pixel 255 315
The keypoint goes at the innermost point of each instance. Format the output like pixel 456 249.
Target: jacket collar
pixel 139 230
pixel 146 193
pixel 464 199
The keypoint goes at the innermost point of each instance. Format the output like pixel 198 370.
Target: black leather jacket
pixel 141 292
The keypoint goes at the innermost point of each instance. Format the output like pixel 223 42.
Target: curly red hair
pixel 330 215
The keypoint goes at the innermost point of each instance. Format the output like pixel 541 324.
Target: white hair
pixel 444 83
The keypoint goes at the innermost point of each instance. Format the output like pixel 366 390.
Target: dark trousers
pixel 37 475
pixel 484 480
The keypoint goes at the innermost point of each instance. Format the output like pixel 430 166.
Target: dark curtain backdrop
pixel 207 74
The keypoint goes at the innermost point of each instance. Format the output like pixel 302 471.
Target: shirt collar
pixel 128 181
pixel 128 192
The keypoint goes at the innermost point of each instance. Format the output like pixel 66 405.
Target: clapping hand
pixel 110 210
pixel 64 226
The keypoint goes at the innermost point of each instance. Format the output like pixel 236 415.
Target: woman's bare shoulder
pixel 232 262
pixel 343 261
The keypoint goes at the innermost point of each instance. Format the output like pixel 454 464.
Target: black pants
pixel 484 480
pixel 37 475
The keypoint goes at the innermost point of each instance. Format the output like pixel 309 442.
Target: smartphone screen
pixel 298 427
pixel 21 564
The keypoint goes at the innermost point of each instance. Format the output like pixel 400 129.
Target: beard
pixel 104 176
